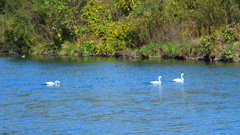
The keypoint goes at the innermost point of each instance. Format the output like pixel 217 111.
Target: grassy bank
pixel 191 51
pixel 222 45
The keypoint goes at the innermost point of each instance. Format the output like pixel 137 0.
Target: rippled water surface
pixel 112 96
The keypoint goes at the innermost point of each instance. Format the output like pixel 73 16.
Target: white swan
pixel 52 83
pixel 179 79
pixel 157 82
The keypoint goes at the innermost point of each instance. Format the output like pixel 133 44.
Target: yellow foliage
pixel 59 35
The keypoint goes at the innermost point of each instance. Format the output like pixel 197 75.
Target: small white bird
pixel 23 56
pixel 179 79
pixel 157 82
pixel 52 83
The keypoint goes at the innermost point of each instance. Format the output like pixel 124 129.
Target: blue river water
pixel 114 96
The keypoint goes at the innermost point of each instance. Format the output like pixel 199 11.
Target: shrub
pixel 150 50
pixel 70 48
pixel 206 47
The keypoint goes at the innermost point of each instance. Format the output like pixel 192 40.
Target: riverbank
pixel 222 45
pixel 148 52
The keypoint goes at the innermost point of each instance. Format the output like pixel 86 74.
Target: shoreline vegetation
pixel 189 30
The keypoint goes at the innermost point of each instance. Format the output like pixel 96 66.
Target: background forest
pixel 206 29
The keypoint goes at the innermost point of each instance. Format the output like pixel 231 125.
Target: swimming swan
pixel 52 83
pixel 179 79
pixel 157 82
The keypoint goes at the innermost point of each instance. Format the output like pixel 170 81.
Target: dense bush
pixel 171 28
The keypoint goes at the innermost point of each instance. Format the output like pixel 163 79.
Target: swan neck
pixel 159 79
pixel 182 77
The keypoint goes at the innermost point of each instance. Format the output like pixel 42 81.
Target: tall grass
pixel 169 50
pixel 150 50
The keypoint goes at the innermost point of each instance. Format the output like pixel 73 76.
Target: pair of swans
pixel 53 83
pixel 174 80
